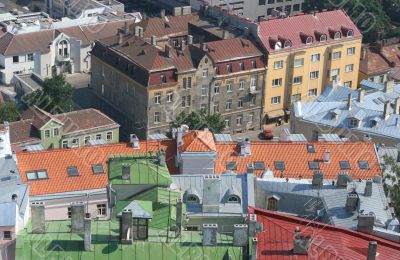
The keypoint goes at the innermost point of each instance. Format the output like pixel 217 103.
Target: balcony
pixel 253 90
pixel 63 58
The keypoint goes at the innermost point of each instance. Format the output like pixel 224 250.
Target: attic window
pixel 279 166
pixel 363 165
pixel 337 36
pixel 322 38
pixel 231 166
pixel 36 175
pixel 313 165
pixel 310 148
pixel 233 199
pixel 72 171
pixel 192 199
pixel 309 40
pixel 345 165
pixel 287 44
pixel 259 165
pixel 97 168
pixel 350 33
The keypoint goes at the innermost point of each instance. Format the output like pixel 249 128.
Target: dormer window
pixel 272 203
pixel 191 198
pixel 374 123
pixel 322 38
pixel 350 33
pixel 309 40
pixel 163 78
pixel 233 199
pixel 337 36
pixel 278 46
pixel 288 44
pixel 63 48
pixel 353 122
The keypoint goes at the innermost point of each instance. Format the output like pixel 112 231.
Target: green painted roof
pixel 143 171
pixel 59 243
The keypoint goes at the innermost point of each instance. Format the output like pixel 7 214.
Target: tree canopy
pixel 55 96
pixel 9 112
pixel 199 121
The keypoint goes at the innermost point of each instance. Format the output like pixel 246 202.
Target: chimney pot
pixel 351 202
pixel 204 46
pixel 397 106
pixel 254 249
pixel 162 13
pixel 189 39
pixel 210 234
pixel 318 179
pixel 366 222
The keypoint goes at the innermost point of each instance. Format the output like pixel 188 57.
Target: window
pixel 322 38
pixel 315 57
pixel 363 165
pixel 170 96
pixel 241 65
pixel 276 100
pixel 188 100
pixel 229 86
pixel 163 78
pixel 72 171
pixel 239 120
pixel 351 51
pixel 314 74
pixel 353 122
pixel 287 44
pixel 216 107
pixel 36 175
pixel 310 148
pixel 7 235
pixel 233 199
pixel 87 139
pixel 337 36
pixel 205 73
pixel 228 105
pixel 109 136
pixel 296 97
pixel 312 92
pixel 229 67
pixel 297 80
pixel 98 137
pixel 231 166
pixel 349 68
pixel 191 198
pixel 241 84
pixel 348 84
pixel 69 212
pixel 259 165
pixel 298 63
pixel 101 210
pixel 277 82
pixel 344 165
pixel 336 55
pixel 46 133
pixel 253 64
pixel 313 165
pixel 309 40
pixel 97 168
pixel 334 74
pixel 261 2
pixel 204 90
pixel 30 57
pixel 56 131
pixel 216 89
pixel 227 123
pixel 187 82
pixel 157 98
pixel 65 144
pixel 350 33
pixel 253 100
pixel 272 204
pixel 240 102
pixel 253 81
pixel 157 118
pixel 296 7
pixel 278 64
pixel 183 103
pixel 279 166
pixel 63 48
pixel 15 59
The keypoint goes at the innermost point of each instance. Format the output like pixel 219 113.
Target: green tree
pixel 9 112
pixel 392 8
pixel 199 121
pixel 55 96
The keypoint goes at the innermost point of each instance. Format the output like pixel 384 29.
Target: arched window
pixel 272 204
pixel 309 40
pixel 322 38
pixel 338 35
pixel 233 199
pixel 278 45
pixel 350 33
pixel 63 48
pixel 191 198
pixel 288 44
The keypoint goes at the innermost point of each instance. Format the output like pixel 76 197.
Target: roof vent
pixel 351 202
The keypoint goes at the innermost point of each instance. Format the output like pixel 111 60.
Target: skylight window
pixel 279 165
pixel 72 171
pixel 310 148
pixel 313 165
pixel 345 165
pixel 259 165
pixel 231 166
pixel 97 168
pixel 36 175
pixel 363 165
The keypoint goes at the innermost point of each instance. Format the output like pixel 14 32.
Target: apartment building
pixel 306 53
pixel 152 85
pixel 255 9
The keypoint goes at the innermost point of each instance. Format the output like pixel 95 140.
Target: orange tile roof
pixel 57 161
pixel 198 141
pixel 296 158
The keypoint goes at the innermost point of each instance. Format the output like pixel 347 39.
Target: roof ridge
pixel 202 140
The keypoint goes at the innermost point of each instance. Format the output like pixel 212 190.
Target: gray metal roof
pixel 370 85
pixel 223 137
pixel 157 137
pixel 298 197
pixel 231 184
pixel 137 210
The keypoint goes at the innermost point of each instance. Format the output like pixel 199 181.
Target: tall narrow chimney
pixel 252 225
pixel 204 46
pixel 318 179
pixel 178 217
pixel 77 217
pixel 349 102
pixel 88 234
pixel 351 202
pixel 361 95
pixel 368 188
pixel 168 52
pixel 240 235
pixel 183 45
pixel 372 249
pixel 189 39
pixel 120 37
pixel 300 244
pixel 154 40
pixel 397 106
pixel 386 110
pixel 161 158
pixel 389 85
pixel 162 14
pixel 125 227
pixel 38 218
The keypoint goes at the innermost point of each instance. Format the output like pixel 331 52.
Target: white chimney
pixel 361 95
pixel 134 140
pixel 386 110
pixel 349 102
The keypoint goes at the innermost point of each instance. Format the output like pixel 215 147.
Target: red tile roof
pixel 57 161
pixel 294 28
pixel 198 141
pixel 23 132
pixel 296 158
pixel 327 242
pixel 376 62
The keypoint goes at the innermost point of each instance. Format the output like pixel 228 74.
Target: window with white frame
pixel 163 78
pixel 170 96
pixel 227 123
pixel 229 67
pixel 351 51
pixel 337 36
pixel 314 74
pixel 157 117
pixel 298 63
pixel 228 105
pixel 253 81
pixel 353 122
pixel 75 141
pixel 46 133
pixel 253 99
pixel 251 117
pixel 239 120
pixel 334 74
pixel 253 64
pixel 157 98
pixel 98 137
pixel 109 136
pixel 278 64
pixel 297 80
pixel 205 73
pixel 277 82
pixel 315 57
pixel 87 139
pixel 241 84
pixel 241 65
pixel 183 103
pixel 216 107
pixel 216 89
pixel 348 84
pixel 65 144
pixel 29 56
pixel 312 92
pixel 336 55
pixel 101 210
pixel 349 67
pixel 240 102
pixel 276 100
pixel 204 90
pixel 63 48
pixel 229 86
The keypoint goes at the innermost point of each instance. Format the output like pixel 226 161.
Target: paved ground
pixel 83 96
